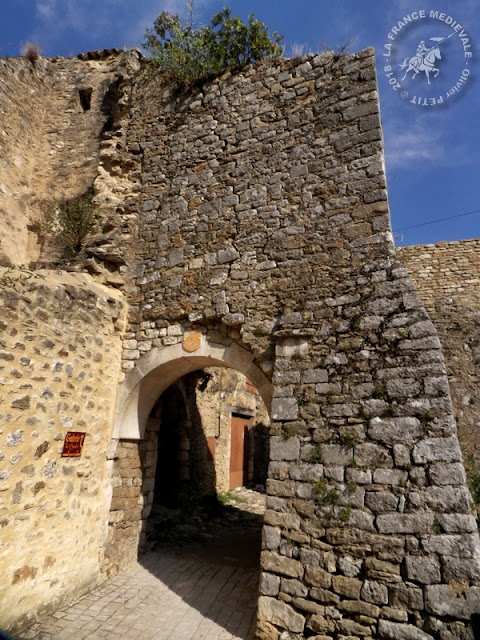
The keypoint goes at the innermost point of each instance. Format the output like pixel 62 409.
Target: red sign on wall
pixel 72 447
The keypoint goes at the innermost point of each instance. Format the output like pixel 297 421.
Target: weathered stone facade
pixel 59 349
pixel 447 278
pixel 253 215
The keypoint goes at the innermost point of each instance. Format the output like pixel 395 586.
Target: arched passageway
pixel 174 437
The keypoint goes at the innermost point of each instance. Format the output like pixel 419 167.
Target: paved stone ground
pixel 204 587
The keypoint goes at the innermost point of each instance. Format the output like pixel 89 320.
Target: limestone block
pixel 359 519
pixel 423 569
pixel 306 472
pixel 443 499
pixel 437 450
pixel 420 522
pixel 314 376
pixel 460 546
pixel 394 477
pixel 457 523
pixel 362 608
pixel 397 631
pixel 395 430
pixel 324 596
pixel 372 456
pixel 269 584
pixel 282 449
pixel 282 488
pixel 349 566
pixel 336 455
pixel 293 587
pixel 320 624
pixel 280 614
pixel 440 600
pixel 359 476
pixel 286 520
pixel 349 587
pixel 270 538
pixel 459 569
pixel 405 596
pixel 284 409
pixel 271 561
pixel 447 474
pixel 308 606
pixel 317 576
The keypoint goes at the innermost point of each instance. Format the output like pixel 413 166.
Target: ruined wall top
pixel 54 114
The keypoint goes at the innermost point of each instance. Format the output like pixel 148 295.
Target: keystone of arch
pixel 156 370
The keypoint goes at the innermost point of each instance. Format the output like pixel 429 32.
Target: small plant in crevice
pixel 69 223
pixel 331 497
pixel 31 51
pixel 379 393
pixel 320 486
pixel 404 333
pixel 294 544
pixel 11 276
pixel 345 513
pixel 288 433
pixel 356 322
pixel 352 486
pixel 317 455
pixel 437 527
pixel 350 439
pixel 325 496
pixel 426 419
pixel 390 411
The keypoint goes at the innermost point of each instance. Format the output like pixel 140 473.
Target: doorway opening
pixel 209 433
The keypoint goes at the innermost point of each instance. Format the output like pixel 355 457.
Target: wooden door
pixel 239 451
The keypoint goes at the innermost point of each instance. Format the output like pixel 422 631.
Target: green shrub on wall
pixel 191 54
pixel 69 223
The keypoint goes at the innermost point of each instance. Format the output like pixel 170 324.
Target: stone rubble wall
pixel 59 361
pixel 447 278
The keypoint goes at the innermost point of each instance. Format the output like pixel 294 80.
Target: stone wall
pixel 252 215
pixel 59 361
pixel 263 220
pixel 447 278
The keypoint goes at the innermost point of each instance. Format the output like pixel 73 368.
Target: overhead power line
pixel 425 224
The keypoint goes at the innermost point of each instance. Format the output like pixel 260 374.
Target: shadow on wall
pixel 185 469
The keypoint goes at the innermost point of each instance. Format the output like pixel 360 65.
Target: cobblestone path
pixel 206 588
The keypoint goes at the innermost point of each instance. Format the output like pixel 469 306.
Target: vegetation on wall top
pixel 189 54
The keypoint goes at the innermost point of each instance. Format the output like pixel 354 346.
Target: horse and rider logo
pixel 424 59
pixel 445 58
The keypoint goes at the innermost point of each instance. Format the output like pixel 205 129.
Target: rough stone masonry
pixel 253 214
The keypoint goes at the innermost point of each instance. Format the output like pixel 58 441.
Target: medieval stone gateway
pixel 245 225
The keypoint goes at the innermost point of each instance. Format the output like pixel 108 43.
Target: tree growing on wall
pixel 189 54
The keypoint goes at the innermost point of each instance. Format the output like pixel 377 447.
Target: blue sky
pixel 432 151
